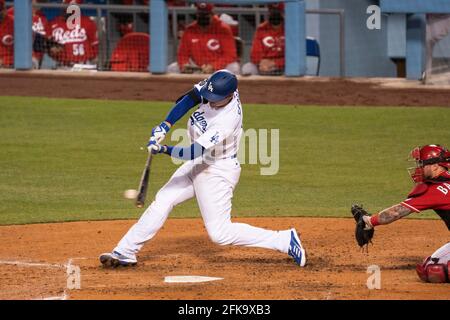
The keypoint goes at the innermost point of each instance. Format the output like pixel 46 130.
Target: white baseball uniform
pixel 211 179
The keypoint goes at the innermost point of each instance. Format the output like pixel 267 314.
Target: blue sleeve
pixel 183 105
pixel 195 150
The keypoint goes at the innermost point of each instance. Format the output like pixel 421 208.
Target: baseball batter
pixel 210 173
pixel 432 191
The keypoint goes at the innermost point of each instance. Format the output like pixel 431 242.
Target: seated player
pixel 80 44
pixel 432 191
pixel 268 49
pixel 206 45
pixel 40 29
pixel 131 53
pixel 6 37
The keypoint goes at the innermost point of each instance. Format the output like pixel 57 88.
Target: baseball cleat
pixel 115 259
pixel 296 249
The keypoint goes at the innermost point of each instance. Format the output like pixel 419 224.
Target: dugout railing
pixel 108 39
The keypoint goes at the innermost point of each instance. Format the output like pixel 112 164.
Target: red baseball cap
pixel 276 6
pixel 204 6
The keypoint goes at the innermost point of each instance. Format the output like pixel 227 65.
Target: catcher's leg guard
pixel 437 273
pixel 448 271
pixel 431 271
pixel 421 269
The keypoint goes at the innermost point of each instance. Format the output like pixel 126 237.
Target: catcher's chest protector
pixel 443 183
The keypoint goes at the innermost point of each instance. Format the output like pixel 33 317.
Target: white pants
pixel 212 185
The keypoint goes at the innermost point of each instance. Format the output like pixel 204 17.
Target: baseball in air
pixel 130 194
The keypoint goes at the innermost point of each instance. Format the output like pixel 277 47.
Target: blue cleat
pixel 296 250
pixel 115 259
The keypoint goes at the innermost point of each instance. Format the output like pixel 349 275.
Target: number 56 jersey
pixel 218 130
pixel 80 43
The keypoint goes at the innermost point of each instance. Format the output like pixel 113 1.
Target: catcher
pixel 432 191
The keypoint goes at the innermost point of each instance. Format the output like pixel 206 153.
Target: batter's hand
pixel 154 147
pixel 159 132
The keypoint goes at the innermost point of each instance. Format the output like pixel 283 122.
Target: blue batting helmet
pixel 219 85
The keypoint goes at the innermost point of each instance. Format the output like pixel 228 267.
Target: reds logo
pixel 268 41
pixel 213 44
pixel 271 42
pixel 8 40
pixel 38 27
pixel 70 36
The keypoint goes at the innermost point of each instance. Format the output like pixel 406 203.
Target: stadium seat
pixel 131 53
pixel 312 56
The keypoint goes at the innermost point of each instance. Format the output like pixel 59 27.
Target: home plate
pixel 189 279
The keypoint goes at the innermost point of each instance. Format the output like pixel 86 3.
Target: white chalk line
pixel 64 296
pixel 32 264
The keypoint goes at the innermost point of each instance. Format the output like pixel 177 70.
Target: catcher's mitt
pixel 363 235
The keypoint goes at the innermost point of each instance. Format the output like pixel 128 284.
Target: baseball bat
pixel 143 184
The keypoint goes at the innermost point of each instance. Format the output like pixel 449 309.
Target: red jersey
pixel 214 46
pixel 131 53
pixel 80 44
pixel 268 43
pixel 433 194
pixel 40 25
pixel 7 41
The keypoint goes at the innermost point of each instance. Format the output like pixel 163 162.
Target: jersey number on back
pixel 78 49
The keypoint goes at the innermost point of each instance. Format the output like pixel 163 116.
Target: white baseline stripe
pixel 32 264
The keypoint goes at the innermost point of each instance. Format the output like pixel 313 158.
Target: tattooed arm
pixel 387 216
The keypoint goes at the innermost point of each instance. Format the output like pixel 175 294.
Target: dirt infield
pixel 33 261
pixel 265 90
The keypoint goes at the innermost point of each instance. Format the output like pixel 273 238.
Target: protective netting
pixel 114 35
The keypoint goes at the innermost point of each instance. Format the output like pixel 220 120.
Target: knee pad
pixel 433 272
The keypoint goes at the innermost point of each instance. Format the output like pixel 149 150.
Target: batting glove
pixel 159 132
pixel 154 147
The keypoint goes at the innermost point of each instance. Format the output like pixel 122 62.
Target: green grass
pixel 65 160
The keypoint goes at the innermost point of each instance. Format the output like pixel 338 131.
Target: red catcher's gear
pixel 213 45
pixel 426 155
pixel 433 272
pixel 131 53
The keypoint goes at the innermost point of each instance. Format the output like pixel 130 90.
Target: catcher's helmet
pixel 426 155
pixel 219 85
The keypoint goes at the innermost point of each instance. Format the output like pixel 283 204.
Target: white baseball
pixel 130 194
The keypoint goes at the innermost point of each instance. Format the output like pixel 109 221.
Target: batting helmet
pixel 219 85
pixel 426 155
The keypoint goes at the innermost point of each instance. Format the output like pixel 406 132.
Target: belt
pixel 234 156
